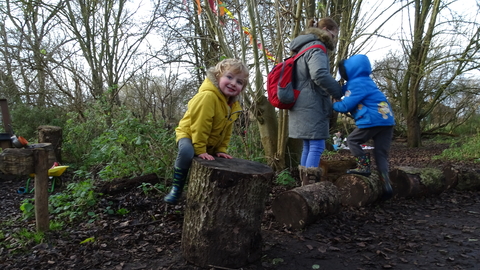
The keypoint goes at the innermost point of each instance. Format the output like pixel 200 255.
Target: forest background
pixel 116 75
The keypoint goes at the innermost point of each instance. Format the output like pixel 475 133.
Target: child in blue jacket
pixel 373 117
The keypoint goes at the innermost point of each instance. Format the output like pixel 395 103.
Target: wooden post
pixel 25 161
pixel 225 205
pixel 41 189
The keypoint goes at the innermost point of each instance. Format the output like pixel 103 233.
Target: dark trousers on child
pixel 382 139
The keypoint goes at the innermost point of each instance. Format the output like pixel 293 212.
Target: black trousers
pixel 382 140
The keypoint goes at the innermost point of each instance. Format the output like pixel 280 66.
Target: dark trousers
pixel 382 139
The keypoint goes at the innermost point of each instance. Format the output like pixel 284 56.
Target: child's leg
pixel 356 139
pixel 314 153
pixel 185 153
pixel 381 142
pixel 305 150
pixel 182 165
pixel 309 170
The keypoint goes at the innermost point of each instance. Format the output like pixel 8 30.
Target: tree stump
pixel 417 182
pixel 53 135
pixel 337 168
pixel 303 205
pixel 357 190
pixel 223 213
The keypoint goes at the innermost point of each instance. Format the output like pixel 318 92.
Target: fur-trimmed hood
pixel 311 34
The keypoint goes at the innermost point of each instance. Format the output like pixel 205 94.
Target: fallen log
pixel 468 179
pixel 223 212
pixel 303 205
pixel 119 185
pixel 357 190
pixel 417 182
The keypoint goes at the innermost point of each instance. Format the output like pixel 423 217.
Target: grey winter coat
pixel 310 116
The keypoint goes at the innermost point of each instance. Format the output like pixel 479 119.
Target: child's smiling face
pixel 231 84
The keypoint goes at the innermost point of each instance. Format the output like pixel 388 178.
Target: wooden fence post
pixel 41 189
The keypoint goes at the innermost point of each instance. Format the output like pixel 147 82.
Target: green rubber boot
pixel 179 178
pixel 363 166
pixel 387 188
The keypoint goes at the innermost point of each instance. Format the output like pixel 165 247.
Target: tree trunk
pixel 417 182
pixel 303 205
pixel 357 190
pixel 225 204
pixel 414 132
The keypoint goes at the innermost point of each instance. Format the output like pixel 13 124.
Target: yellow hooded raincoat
pixel 208 120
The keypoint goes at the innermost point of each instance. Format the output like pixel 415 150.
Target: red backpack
pixel 281 93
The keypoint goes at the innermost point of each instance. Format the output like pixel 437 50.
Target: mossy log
pixel 120 185
pixel 223 213
pixel 417 182
pixel 468 179
pixel 357 190
pixel 303 205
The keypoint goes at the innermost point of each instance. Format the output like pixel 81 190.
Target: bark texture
pixel 303 205
pixel 223 213
pixel 357 190
pixel 417 182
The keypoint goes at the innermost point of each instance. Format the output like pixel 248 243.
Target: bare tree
pixel 430 48
pixel 110 37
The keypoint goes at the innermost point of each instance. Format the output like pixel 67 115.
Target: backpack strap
pixel 311 47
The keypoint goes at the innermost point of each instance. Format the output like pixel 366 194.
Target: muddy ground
pixel 434 232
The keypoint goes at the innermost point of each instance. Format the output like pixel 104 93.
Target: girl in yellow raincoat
pixel 206 127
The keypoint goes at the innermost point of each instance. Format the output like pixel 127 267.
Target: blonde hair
pixel 235 66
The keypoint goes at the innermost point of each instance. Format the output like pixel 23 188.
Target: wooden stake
pixel 41 189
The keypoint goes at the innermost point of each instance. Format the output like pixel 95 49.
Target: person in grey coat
pixel 310 116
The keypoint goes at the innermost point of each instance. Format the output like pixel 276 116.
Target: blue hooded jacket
pixel 367 104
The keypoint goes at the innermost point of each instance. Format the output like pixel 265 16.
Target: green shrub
pixel 26 119
pixel 245 143
pixel 128 148
pixel 284 178
pixel 466 150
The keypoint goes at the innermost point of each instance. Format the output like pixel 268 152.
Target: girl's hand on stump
pixel 206 156
pixel 223 155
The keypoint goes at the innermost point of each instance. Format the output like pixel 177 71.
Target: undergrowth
pixel 465 148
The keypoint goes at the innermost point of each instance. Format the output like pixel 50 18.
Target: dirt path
pixel 440 232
